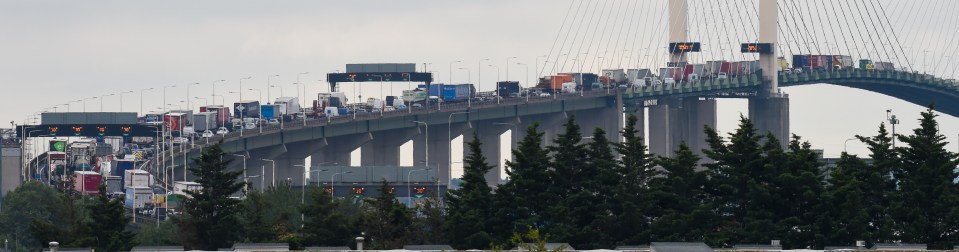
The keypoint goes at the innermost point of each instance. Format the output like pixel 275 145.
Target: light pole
pixel 244 170
pixel 213 95
pixel 528 84
pixel 205 101
pixel 450 78
pixel 141 98
pixel 409 191
pixel 893 121
pixel 121 99
pixel 268 86
pixel 844 145
pixel 273 177
pixel 304 87
pixel 496 91
pixel 241 86
pixel 85 103
pixel 101 101
pixel 469 99
pixel 449 135
pixel 507 67
pixel 479 74
pixel 189 105
pixel 259 93
pixel 427 132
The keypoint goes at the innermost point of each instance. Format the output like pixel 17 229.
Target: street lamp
pixel 409 191
pixel 213 95
pixel 449 135
pixel 498 96
pixel 259 93
pixel 244 166
pixel 331 182
pixel 479 74
pixel 189 105
pixel 528 84
pixel 101 101
pixel 893 121
pixel 85 103
pixel 273 177
pixel 205 101
pixel 304 86
pixel 427 132
pixel 121 99
pixel 268 86
pixel 507 67
pixel 469 99
pixel 844 144
pixel 241 86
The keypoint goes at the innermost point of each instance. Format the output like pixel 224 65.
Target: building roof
pixel 156 248
pixel 758 247
pixel 261 247
pixel 441 247
pixel 679 247
pixel 71 249
pixel 899 246
pixel 344 248
pixel 549 246
pixel 827 248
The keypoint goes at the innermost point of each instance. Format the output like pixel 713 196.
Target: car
pixel 622 86
pixel 669 81
pixel 249 125
pixel 222 131
pixel 180 140
pixel 273 121
pixel 207 134
pixel 417 105
pixel 543 94
pixel 722 76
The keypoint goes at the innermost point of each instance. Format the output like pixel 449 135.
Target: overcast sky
pixel 54 52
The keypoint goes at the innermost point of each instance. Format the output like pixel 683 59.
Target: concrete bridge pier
pixel 255 166
pixel 696 113
pixel 338 150
pixel 289 165
pixel 549 124
pixel 489 133
pixel 660 131
pixel 771 115
pixel 437 147
pixel 675 120
pixel 639 111
pixel 384 149
pixel 610 119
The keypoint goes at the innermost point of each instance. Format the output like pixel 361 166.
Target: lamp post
pixel 101 101
pixel 331 182
pixel 205 101
pixel 241 86
pixel 259 93
pixel 244 168
pixel 409 191
pixel 85 103
pixel 189 105
pixel 449 135
pixel 213 95
pixel 273 177
pixel 469 99
pixel 268 86
pixel 528 84
pixel 496 92
pixel 141 98
pixel 427 132
pixel 893 121
pixel 507 67
pixel 121 99
pixel 844 144
pixel 479 74
pixel 304 86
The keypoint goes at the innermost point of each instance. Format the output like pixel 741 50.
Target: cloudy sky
pixel 56 52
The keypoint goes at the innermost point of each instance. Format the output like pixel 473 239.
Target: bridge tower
pixel 673 120
pixel 770 109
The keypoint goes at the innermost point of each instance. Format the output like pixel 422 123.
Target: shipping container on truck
pixel 246 109
pixel 693 69
pixel 618 76
pixel 843 61
pixel 328 100
pixel 187 116
pixel 121 169
pixel 181 188
pixel 866 64
pixel 86 182
pixel 114 184
pixel 506 88
pixel 671 72
pixel 222 114
pixel 414 96
pixel 204 121
pixel 884 66
pixel 270 111
pixel 291 105
pixel 782 63
pixel 174 121
pixel 137 197
pixel 637 76
pixel 435 89
pixel 713 67
pixel 137 178
pixel 556 81
pixel 457 92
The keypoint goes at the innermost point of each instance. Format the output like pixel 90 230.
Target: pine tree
pixel 108 223
pixel 386 221
pixel 522 201
pixel 568 177
pixel 879 185
pixel 325 224
pixel 680 195
pixel 209 220
pixel 799 190
pixel 845 217
pixel 734 174
pixel 469 207
pixel 927 211
pixel 631 195
pixel 600 222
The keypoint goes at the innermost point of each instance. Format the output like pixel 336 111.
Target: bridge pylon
pixel 769 111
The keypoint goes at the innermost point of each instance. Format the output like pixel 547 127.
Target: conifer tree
pixel 601 190
pixel 209 221
pixel 324 224
pixel 470 207
pixel 684 215
pixel 568 175
pixel 386 221
pixel 108 223
pixel 879 185
pixel 631 194
pixel 845 215
pixel 522 201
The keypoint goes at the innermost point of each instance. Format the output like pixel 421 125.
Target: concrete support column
pixel 660 133
pixel 384 149
pixel 437 147
pixel 489 134
pixel 678 26
pixel 610 119
pixel 338 150
pixel 639 111
pixel 771 115
pixel 696 114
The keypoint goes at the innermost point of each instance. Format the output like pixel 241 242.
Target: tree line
pixel 591 193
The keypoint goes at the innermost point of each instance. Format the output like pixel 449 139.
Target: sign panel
pixel 757 48
pixel 683 47
pixel 91 130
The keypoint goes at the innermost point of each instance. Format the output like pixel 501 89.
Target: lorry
pixel 121 168
pixel 246 109
pixel 174 121
pixel 458 92
pixel 569 87
pixel 809 61
pixel 270 111
pixel 114 185
pixel 204 121
pixel 181 187
pixel 137 178
pixel 638 76
pixel 137 196
pixel 693 72
pixel 507 88
pixel 222 114
pixel 414 96
pixel 329 100
pixel 288 105
pixel 674 73
pixel 556 81
pixel 86 182
pixel 617 76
